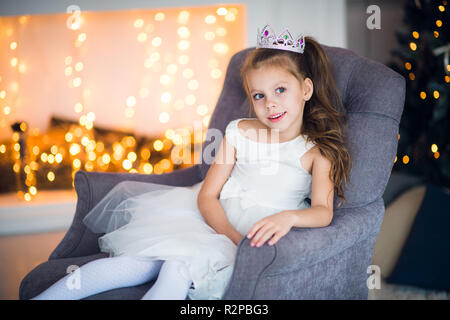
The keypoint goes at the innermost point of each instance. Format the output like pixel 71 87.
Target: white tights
pixel 123 271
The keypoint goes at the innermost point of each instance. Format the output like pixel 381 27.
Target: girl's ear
pixel 308 88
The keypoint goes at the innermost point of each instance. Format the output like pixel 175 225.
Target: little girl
pixel 264 173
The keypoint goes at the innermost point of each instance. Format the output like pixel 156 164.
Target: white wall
pixel 323 19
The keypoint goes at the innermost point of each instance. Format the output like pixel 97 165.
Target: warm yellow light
pixel 415 35
pixel 33 190
pixel 129 141
pixel 183 32
pixel 148 168
pixel 408 66
pixel 85 141
pixel 7 110
pixel 2 94
pixel 27 196
pixel 44 157
pixel 13 45
pixel 439 23
pixel 156 42
pixel 395 160
pixel 413 46
pixel 74 149
pixel 145 153
pixel 106 158
pixel 50 176
pixel 68 60
pixel 91 116
pixel 436 34
pixel 165 164
pixel 158 145
pixel 89 166
pixel 58 158
pixel 221 48
pixel 209 35
pixel 210 19
pixel 51 158
pixel 222 11
pixel 138 23
pixel 436 94
pixel 441 8
pixel 166 97
pixel 132 156
pixel 2 148
pixel 15 136
pixel 78 107
pixel 190 99
pixel 76 82
pixel 129 112
pixel 164 117
pixel 230 17
pixel 183 17
pixel 183 59
pixel 34 165
pixel 184 45
pixel 434 148
pixel 159 16
pixel 79 66
pixel 16 167
pixel 142 36
pixel 22 67
pixel 81 37
pixel 447 79
pixel 193 84
pixel 172 68
pixel 54 149
pixel 216 73
pixel 436 155
pixel 202 110
pixel 68 71
pixel 164 79
pixel 14 62
pixel 423 95
pixel 221 32
pixel 16 147
pixel 412 76
pixel 188 73
pixel 131 101
pixel 126 164
pixel 405 159
pixel 76 163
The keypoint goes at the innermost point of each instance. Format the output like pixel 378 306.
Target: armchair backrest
pixel 373 96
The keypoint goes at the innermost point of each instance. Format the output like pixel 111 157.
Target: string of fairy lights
pixel 78 146
pixel 423 95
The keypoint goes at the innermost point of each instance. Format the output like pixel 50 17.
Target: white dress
pixel 162 222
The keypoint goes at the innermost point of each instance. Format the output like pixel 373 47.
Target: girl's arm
pixel 208 197
pixel 318 215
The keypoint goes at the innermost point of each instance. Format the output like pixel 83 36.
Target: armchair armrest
pixel 91 187
pixel 302 247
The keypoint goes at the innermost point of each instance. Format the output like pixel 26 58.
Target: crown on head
pixel 284 41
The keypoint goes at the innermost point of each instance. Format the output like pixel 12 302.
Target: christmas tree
pixel 423 59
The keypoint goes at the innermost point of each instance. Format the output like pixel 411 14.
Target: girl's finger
pixel 263 234
pixel 275 238
pixel 255 228
pixel 266 236
pixel 257 235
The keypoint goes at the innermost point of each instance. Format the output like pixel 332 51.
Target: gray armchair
pixel 308 263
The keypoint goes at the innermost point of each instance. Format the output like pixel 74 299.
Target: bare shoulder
pixel 319 160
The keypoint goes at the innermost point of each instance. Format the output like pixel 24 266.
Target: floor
pixel 19 254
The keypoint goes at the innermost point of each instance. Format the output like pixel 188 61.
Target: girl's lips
pixel 277 119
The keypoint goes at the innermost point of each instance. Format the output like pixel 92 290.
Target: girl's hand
pixel 272 227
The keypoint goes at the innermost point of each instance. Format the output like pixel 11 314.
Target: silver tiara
pixel 284 41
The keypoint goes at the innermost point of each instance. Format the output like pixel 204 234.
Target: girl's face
pixel 275 91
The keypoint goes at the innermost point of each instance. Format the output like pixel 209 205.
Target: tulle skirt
pixel 162 222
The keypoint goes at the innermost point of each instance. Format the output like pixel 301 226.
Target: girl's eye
pixel 260 94
pixel 256 96
pixel 283 89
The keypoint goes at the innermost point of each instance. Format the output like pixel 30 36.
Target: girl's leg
pixel 102 275
pixel 172 282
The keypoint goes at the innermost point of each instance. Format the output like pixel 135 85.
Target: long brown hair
pixel 324 118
